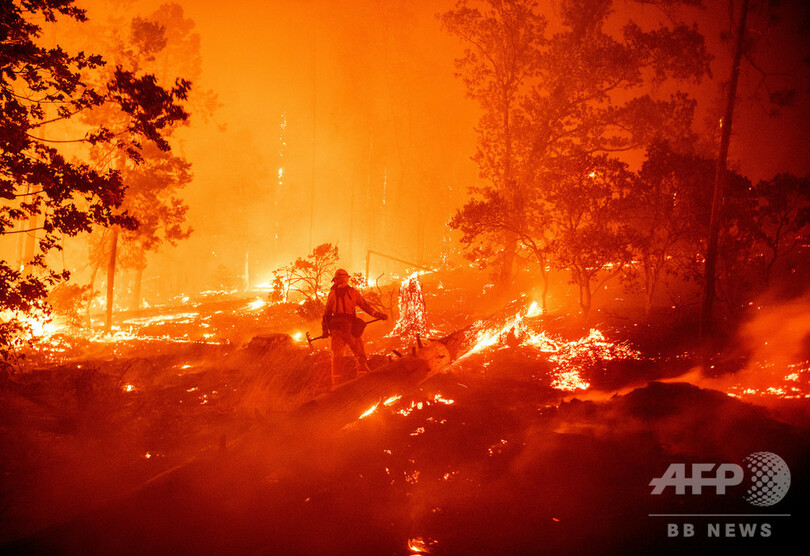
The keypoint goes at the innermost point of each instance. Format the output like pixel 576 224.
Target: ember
pixel 412 321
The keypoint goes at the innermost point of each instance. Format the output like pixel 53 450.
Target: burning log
pixel 351 400
pixel 412 321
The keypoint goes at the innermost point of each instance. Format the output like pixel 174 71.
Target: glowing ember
pixel 795 384
pixel 412 321
pixel 497 448
pixel 369 411
pixel 570 357
pixel 418 546
pixel 439 399
pixel 570 381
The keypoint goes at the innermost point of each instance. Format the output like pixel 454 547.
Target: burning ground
pixel 208 428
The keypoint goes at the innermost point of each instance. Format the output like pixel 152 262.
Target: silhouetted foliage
pixel 155 177
pixel 41 190
pixel 589 195
pixel 668 214
pixel 308 275
pixel 577 93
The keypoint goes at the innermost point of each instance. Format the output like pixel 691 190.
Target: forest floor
pixel 164 439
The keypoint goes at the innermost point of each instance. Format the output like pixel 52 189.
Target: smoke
pixel 779 336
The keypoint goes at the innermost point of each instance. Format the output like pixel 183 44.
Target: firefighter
pixel 340 322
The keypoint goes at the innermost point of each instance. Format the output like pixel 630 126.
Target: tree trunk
pixel 649 286
pixel 585 299
pixel 92 292
pixel 719 183
pixel 111 279
pixel 30 243
pixel 584 292
pixel 504 282
pixel 138 288
pixel 544 295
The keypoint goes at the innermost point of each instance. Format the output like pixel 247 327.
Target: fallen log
pixel 344 405
pixel 334 410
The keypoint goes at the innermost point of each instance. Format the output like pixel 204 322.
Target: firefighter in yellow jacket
pixel 341 323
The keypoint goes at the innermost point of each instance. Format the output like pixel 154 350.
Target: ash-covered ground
pixel 178 435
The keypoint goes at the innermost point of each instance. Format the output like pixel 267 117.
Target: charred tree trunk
pixel 650 283
pixel 111 279
pixel 544 295
pixel 30 243
pixel 720 178
pixel 504 281
pixel 585 297
pixel 92 284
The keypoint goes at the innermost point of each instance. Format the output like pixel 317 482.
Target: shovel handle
pixel 310 340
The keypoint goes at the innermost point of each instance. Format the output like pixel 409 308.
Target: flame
pixel 37 324
pixel 369 411
pixel 534 310
pixel 418 545
pixel 256 304
pixel 570 357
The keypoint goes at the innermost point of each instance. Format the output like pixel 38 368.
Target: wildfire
pixel 257 304
pixel 37 324
pixel 569 357
pixel 794 385
pixel 419 545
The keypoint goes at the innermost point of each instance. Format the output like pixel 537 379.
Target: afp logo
pixel 767 479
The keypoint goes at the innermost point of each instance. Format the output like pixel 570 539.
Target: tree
pixel 737 249
pixel 720 178
pixel 307 275
pixel 36 179
pixel 483 221
pixel 590 195
pixel 503 55
pixel 667 213
pixel 757 29
pixel 584 92
pixel 763 223
pixel 781 218
pixel 153 198
pixel 154 179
